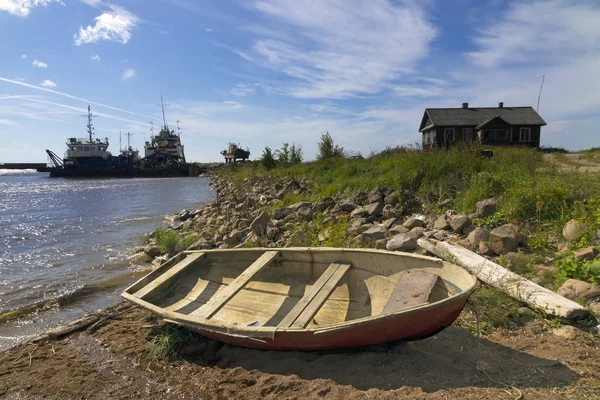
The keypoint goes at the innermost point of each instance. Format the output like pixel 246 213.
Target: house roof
pixel 477 116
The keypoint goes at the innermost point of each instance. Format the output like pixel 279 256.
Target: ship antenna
pixel 178 130
pixel 120 145
pixel 151 128
pixel 540 95
pixel 162 104
pixel 129 141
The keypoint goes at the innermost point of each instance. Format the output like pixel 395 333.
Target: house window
pixel 449 134
pixel 501 134
pixel 525 134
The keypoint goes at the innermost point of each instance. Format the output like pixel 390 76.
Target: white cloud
pixel 95 57
pixel 208 30
pixel 39 64
pixel 115 25
pixel 22 8
pixel 538 31
pixel 128 74
pixel 242 89
pixel 7 122
pixel 48 83
pixel 23 56
pixel 70 96
pixel 340 48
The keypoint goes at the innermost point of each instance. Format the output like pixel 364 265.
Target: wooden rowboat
pixel 305 298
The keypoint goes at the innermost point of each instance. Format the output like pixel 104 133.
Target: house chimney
pixel 501 105
pixel 465 105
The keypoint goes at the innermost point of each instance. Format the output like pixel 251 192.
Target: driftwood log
pixel 510 283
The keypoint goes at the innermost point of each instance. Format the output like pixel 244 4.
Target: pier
pixel 39 167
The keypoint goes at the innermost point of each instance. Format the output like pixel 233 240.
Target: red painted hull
pixel 418 325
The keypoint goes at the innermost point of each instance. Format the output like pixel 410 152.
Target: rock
pixel 374 233
pixel 306 212
pixel 486 208
pixel 416 232
pixel 459 222
pixel 356 226
pixel 568 332
pixel 441 223
pixel 573 230
pixel 468 229
pixel 183 215
pixel 413 222
pixel 347 207
pixel 281 213
pixel 297 206
pixel 380 244
pixel 359 212
pixel 465 243
pixel 152 251
pixel 259 225
pixel 201 244
pixel 388 223
pixel 397 229
pixel 440 235
pixel 374 209
pixel 361 198
pixel 389 212
pixel 375 196
pixel 141 258
pixel 272 233
pixel 327 202
pixel 326 234
pixel 587 253
pixel 233 238
pixel 392 199
pixel 484 249
pixel 504 239
pixel 574 289
pixel 478 235
pixel 401 242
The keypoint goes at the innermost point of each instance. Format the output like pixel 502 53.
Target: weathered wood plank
pixel 308 296
pixel 510 283
pixel 320 297
pixel 413 289
pixel 222 297
pixel 167 275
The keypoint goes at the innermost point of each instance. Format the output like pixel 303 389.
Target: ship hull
pixel 181 170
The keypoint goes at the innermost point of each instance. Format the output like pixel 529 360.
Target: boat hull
pixel 403 327
pixel 180 171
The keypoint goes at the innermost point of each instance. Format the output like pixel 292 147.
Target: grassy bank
pixel 532 193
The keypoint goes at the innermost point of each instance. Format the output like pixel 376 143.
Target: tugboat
pixel 89 157
pixel 235 152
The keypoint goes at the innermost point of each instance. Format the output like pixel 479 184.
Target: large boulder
pixel 375 196
pixel 413 222
pixel 374 209
pixel 392 199
pixel 374 233
pixel 573 230
pixel 441 223
pixel 327 202
pixel 397 229
pixel 152 251
pixel 478 235
pixel 459 222
pixel 306 212
pixel 347 206
pixel 574 289
pixel 259 225
pixel 401 242
pixel 504 239
pixel 389 212
pixel 281 213
pixel 486 208
pixel 359 212
pixel 356 226
pixel 388 223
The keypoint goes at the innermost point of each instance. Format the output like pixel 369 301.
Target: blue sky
pixel 266 72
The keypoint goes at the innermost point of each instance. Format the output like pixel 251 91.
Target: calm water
pixel 64 243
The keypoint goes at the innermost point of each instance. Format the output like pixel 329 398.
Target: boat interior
pixel 300 288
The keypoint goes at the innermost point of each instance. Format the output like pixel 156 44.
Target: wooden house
pixel 496 126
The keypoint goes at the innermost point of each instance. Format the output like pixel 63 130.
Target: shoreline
pixel 108 354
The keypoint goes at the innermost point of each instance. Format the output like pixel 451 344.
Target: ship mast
pixel 89 125
pixel 162 104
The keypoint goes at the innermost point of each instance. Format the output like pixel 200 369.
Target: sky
pixel 264 72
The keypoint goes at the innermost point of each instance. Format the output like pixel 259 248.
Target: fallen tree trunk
pixel 510 283
pixel 74 326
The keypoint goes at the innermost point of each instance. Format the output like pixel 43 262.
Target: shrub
pixel 327 149
pixel 167 240
pixel 267 159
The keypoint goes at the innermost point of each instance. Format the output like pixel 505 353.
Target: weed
pixel 496 309
pixel 168 341
pixel 167 240
pixel 569 267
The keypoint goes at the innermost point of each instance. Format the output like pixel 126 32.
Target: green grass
pixel 531 193
pixel 494 309
pixel 165 343
pixel 170 242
